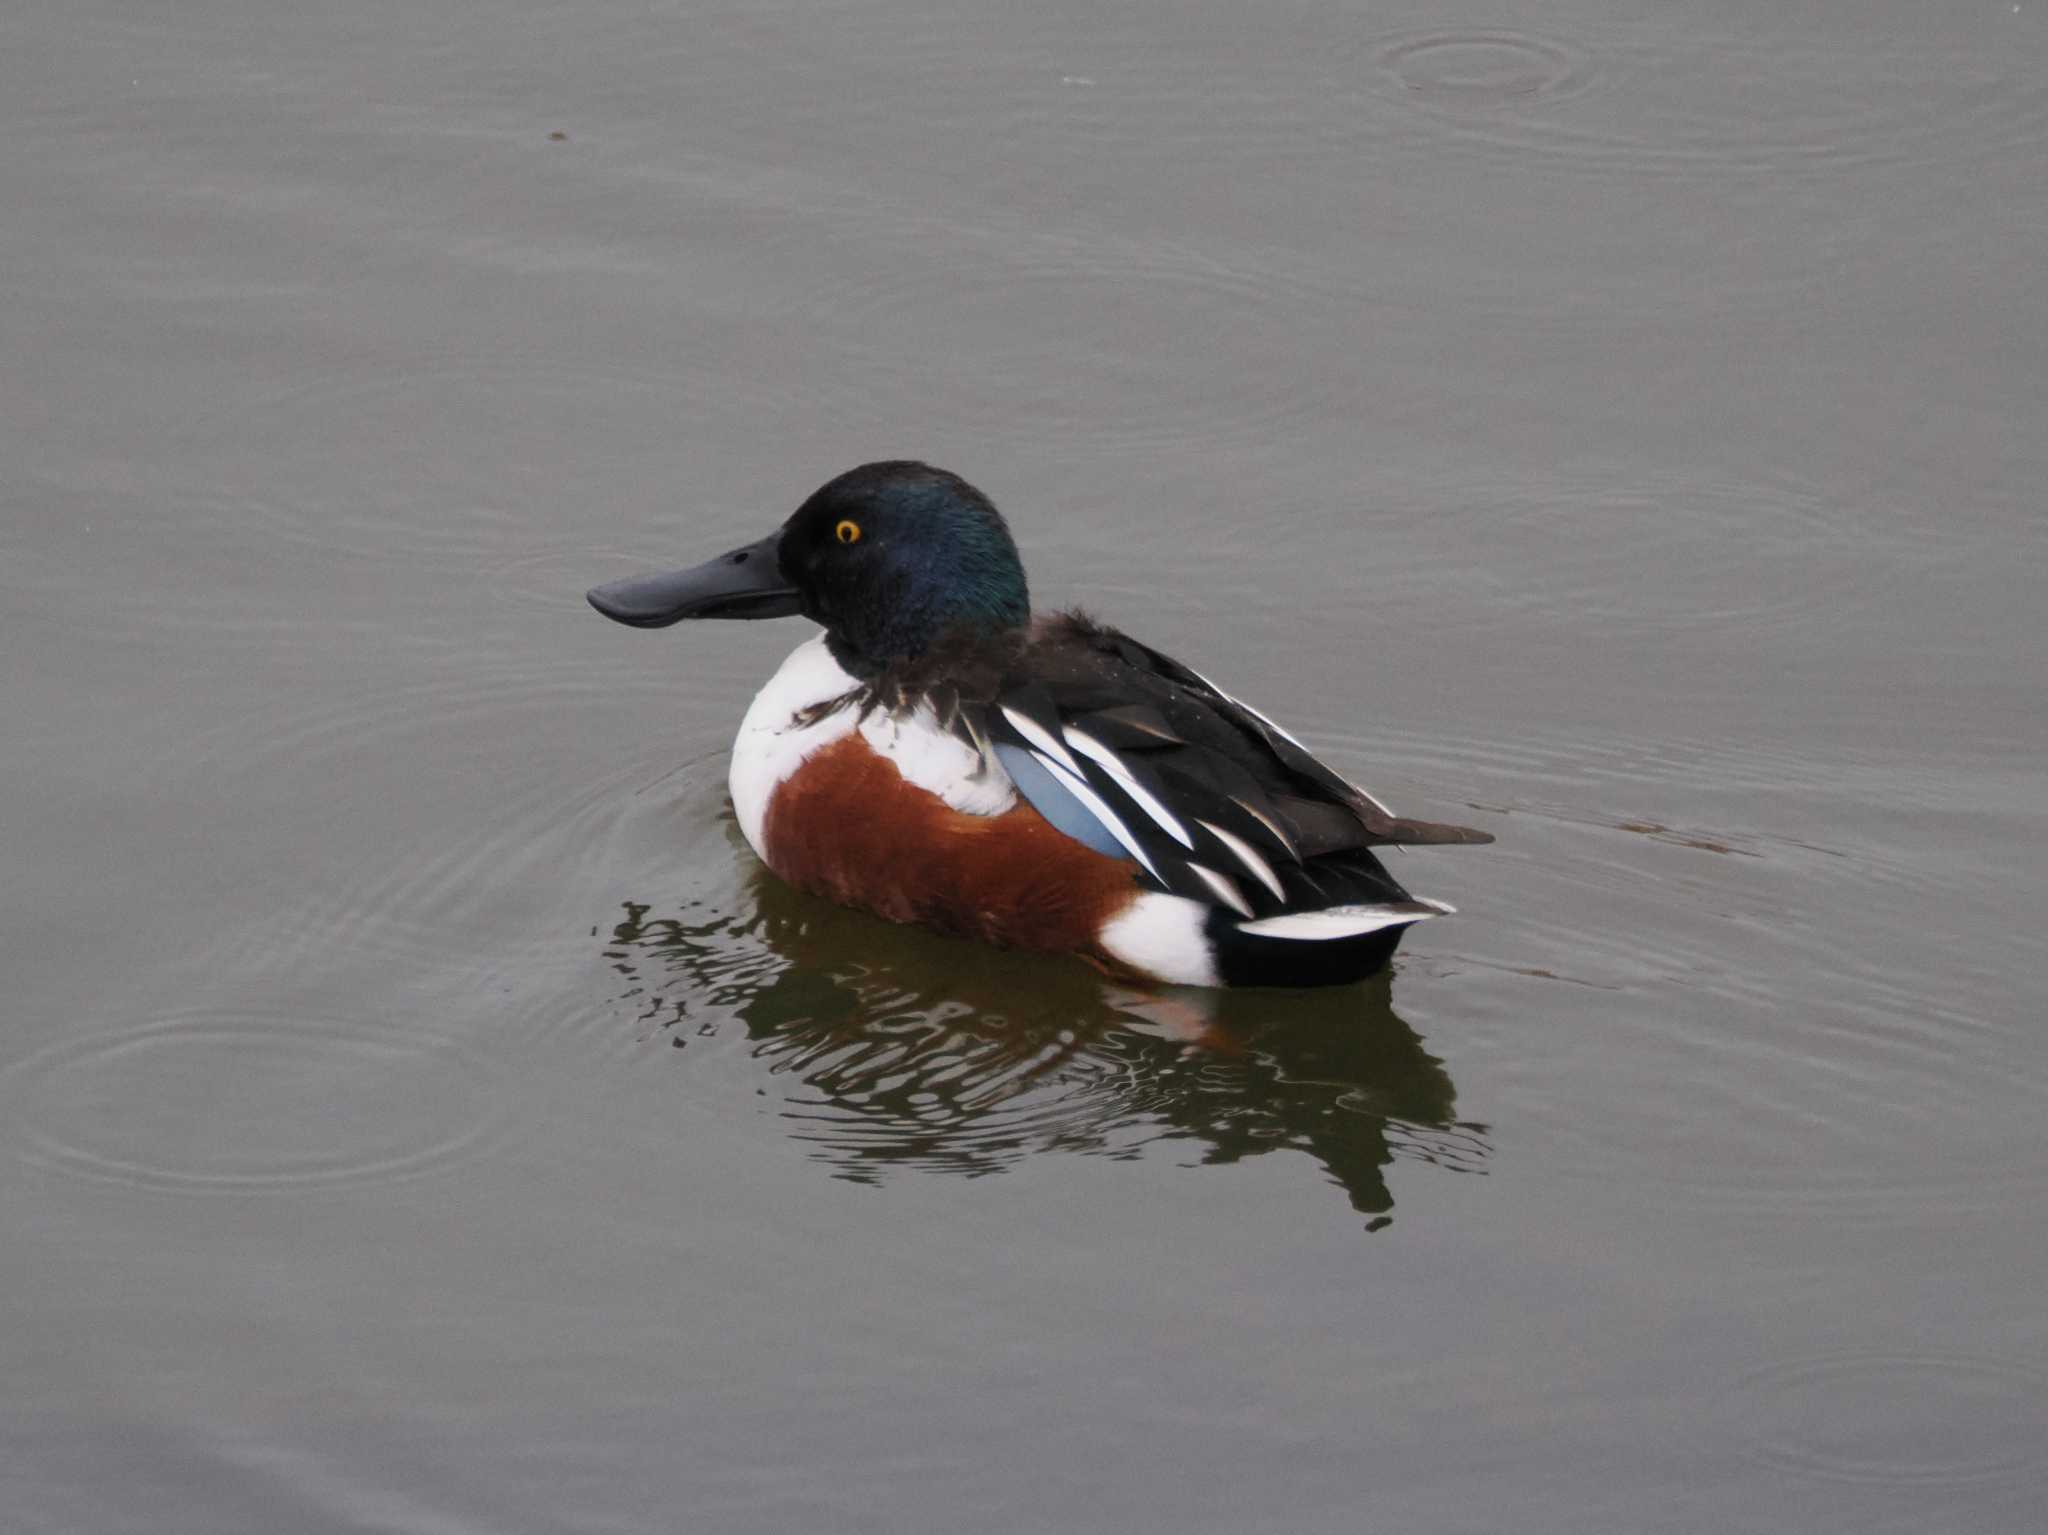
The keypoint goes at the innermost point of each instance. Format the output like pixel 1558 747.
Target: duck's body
pixel 940 756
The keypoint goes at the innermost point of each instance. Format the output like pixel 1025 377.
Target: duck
pixel 941 754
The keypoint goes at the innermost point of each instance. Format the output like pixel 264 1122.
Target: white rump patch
pixel 1334 922
pixel 1162 936
pixel 773 744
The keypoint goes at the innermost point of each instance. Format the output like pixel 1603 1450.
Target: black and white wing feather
pixel 1141 757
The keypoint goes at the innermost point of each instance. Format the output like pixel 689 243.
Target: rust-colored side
pixel 846 825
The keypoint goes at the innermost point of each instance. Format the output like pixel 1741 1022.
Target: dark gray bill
pixel 746 583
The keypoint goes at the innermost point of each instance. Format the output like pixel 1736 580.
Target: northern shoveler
pixel 940 755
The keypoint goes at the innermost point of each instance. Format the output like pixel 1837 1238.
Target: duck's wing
pixel 1138 756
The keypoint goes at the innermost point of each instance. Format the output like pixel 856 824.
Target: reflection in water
pixel 895 1048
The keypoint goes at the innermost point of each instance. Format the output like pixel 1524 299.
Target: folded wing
pixel 1140 757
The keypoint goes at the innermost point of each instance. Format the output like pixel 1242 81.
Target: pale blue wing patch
pixel 1040 783
pixel 1138 794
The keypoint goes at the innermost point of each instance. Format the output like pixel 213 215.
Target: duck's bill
pixel 747 583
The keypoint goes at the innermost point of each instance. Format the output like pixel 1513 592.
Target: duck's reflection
pixel 895 1048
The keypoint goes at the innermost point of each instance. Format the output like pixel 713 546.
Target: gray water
pixel 1618 425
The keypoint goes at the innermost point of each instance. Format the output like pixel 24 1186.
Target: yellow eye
pixel 847 532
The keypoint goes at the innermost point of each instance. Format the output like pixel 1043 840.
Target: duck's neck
pixel 911 625
pixel 965 664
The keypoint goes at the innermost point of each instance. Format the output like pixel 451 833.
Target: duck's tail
pixel 1333 946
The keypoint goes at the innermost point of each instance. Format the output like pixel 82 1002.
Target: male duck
pixel 939 755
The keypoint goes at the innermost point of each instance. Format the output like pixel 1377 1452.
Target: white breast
pixel 773 744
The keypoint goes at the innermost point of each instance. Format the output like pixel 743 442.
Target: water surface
pixel 1615 425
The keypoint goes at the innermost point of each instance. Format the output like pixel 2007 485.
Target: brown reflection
pixel 892 1048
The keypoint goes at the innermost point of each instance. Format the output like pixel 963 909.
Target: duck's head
pixel 888 557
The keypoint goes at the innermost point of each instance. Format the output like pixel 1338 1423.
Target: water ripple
pixel 1694 107
pixel 1753 923
pixel 1903 1418
pixel 1478 70
pixel 892 1049
pixel 226 1102
pixel 423 884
